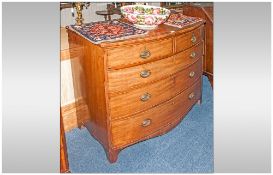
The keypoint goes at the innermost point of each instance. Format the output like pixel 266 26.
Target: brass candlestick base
pixel 79 19
pixel 79 7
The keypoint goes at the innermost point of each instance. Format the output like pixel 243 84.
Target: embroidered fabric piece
pixel 179 20
pixel 103 31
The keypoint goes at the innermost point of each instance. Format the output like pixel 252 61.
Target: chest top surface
pixel 162 31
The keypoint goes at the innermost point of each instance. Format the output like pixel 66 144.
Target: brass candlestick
pixel 79 7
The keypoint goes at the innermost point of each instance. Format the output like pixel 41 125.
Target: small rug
pixel 103 31
pixel 179 20
pixel 188 148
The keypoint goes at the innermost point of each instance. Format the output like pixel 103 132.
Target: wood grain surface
pixel 130 98
pixel 130 55
pixel 131 129
pixel 129 103
pixel 122 79
pixel 188 39
pixel 64 164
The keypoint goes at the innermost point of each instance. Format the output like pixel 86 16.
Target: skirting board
pixel 75 114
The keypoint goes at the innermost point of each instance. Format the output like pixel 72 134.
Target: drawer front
pixel 133 55
pixel 143 98
pixel 124 79
pixel 188 39
pixel 189 56
pixel 126 131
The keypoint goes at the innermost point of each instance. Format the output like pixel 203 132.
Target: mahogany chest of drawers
pixel 141 87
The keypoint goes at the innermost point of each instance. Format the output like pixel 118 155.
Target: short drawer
pixel 145 97
pixel 137 127
pixel 137 54
pixel 188 39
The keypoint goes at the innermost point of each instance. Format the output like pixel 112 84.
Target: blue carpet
pixel 188 148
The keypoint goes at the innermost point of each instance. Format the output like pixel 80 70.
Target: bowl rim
pixel 147 6
pixel 147 15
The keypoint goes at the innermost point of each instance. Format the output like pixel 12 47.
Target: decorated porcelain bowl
pixel 144 16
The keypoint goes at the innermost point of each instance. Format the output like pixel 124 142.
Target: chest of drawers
pixel 141 87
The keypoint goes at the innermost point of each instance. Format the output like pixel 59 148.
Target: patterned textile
pixel 179 20
pixel 103 31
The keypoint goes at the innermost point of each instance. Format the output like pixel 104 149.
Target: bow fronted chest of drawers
pixel 141 87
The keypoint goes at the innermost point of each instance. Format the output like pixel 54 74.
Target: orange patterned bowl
pixel 144 16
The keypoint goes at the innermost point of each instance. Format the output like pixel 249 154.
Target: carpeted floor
pixel 188 148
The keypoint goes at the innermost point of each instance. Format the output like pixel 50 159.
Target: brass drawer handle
pixel 192 73
pixel 191 95
pixel 145 54
pixel 145 97
pixel 146 122
pixel 193 38
pixel 193 54
pixel 145 73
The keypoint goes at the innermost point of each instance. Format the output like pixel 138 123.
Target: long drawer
pixel 125 131
pixel 137 76
pixel 138 54
pixel 190 55
pixel 145 97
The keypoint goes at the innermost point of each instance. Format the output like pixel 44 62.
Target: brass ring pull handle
pixel 146 122
pixel 191 95
pixel 145 73
pixel 145 54
pixel 192 73
pixel 193 54
pixel 145 97
pixel 193 38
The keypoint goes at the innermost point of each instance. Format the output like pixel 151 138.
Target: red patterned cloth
pixel 109 31
pixel 179 20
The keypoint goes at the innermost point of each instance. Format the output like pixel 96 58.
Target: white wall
pixel 67 87
pixel 89 14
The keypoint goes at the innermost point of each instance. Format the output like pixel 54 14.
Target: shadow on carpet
pixel 188 148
